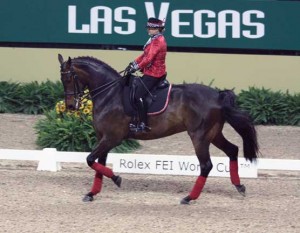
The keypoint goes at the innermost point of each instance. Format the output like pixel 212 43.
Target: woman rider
pixel 152 64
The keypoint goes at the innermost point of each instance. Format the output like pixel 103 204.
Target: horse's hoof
pixel 88 197
pixel 241 189
pixel 185 201
pixel 117 180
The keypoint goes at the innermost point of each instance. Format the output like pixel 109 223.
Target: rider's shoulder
pixel 159 40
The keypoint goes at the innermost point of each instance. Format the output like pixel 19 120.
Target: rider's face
pixel 152 31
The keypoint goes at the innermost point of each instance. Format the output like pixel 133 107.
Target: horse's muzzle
pixel 71 107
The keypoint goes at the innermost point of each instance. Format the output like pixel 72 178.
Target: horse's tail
pixel 241 122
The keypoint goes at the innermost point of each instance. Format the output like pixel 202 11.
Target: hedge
pixel 74 131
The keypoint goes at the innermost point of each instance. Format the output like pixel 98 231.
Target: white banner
pixel 177 165
pixel 49 160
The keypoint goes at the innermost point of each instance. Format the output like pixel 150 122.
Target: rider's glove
pixel 132 67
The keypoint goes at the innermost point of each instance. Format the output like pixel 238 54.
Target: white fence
pixel 50 159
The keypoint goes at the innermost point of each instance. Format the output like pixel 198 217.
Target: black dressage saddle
pixel 157 102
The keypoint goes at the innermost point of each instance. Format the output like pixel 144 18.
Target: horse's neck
pixel 104 87
pixel 101 81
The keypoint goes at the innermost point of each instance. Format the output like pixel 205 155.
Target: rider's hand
pixel 132 67
pixel 132 70
pixel 129 67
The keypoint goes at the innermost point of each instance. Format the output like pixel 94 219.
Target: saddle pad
pixel 155 107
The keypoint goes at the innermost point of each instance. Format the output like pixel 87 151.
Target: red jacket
pixel 152 61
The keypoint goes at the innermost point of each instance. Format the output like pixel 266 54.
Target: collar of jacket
pixel 152 38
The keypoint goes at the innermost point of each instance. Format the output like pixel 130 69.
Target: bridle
pixel 79 94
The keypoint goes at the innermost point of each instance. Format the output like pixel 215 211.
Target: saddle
pixel 157 102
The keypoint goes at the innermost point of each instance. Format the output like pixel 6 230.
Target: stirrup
pixel 143 127
pixel 133 127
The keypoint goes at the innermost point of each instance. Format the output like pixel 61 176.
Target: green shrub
pixel 72 131
pixel 29 98
pixel 270 108
pixel 10 99
pixel 68 133
pixel 294 109
pixel 265 106
pixel 38 98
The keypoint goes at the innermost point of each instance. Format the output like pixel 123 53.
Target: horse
pixel 198 109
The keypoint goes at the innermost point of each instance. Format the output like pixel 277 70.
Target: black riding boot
pixel 142 109
pixel 143 118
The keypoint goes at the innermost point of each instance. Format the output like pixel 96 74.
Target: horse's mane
pixel 95 61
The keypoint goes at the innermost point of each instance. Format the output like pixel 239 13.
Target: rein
pixel 106 86
pixel 80 94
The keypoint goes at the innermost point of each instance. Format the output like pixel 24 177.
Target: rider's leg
pixel 142 111
pixel 145 84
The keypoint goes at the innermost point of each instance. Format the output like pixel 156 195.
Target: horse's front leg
pixel 100 168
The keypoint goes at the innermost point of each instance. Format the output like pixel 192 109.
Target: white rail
pixel 50 159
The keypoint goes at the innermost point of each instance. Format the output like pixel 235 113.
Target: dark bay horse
pixel 197 109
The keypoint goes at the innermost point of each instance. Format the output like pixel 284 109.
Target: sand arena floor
pixel 33 201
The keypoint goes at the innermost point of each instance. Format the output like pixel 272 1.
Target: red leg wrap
pixel 234 172
pixel 103 170
pixel 97 185
pixel 197 189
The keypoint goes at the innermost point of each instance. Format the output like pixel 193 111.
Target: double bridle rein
pixel 80 94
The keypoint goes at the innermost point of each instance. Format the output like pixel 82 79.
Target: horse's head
pixel 73 86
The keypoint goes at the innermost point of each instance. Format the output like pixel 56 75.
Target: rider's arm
pixel 146 59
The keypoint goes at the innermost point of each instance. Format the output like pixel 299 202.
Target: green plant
pixel 73 131
pixel 268 107
pixel 54 92
pixel 293 101
pixel 29 98
pixel 9 97
pixel 38 98
pixel 264 105
pixel 64 134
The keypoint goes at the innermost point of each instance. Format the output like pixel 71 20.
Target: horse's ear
pixel 60 58
pixel 69 61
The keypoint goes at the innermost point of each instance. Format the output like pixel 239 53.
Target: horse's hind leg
pixel 231 151
pixel 202 151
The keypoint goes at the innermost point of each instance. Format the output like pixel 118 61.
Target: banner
pixel 177 165
pixel 248 24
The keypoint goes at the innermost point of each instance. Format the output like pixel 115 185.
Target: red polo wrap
pixel 197 189
pixel 103 170
pixel 234 172
pixel 97 185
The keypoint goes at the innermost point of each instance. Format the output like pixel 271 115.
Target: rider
pixel 152 64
